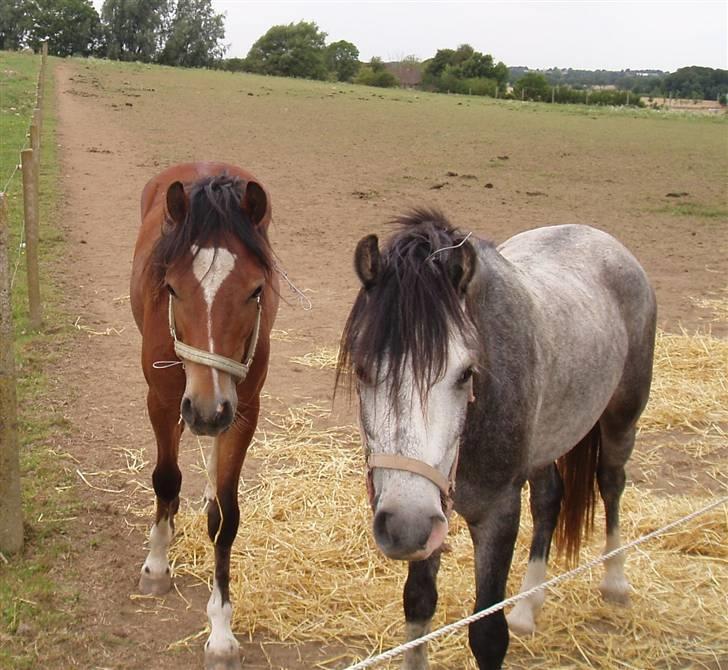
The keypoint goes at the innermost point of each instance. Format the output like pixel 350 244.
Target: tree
pixel 15 23
pixel 342 59
pixel 295 50
pixel 70 26
pixel 532 86
pixel 464 70
pixel 195 35
pixel 135 29
pixel 376 74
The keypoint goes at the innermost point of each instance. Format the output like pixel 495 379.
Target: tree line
pixel 190 33
pixel 173 32
pixel 694 82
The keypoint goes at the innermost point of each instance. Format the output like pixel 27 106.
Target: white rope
pixel 454 246
pixel 303 299
pixel 457 625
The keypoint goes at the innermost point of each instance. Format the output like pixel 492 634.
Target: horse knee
pixel 420 590
pixel 167 481
pixel 488 640
pixel 223 518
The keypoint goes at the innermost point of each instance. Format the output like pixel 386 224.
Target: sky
pixel 613 35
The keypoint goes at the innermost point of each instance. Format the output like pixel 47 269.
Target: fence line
pixel 11 512
pixel 457 625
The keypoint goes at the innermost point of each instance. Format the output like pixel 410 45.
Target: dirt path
pixel 114 136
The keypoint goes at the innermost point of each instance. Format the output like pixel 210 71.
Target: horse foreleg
pixel 223 517
pixel 420 601
pixel 156 576
pixel 546 491
pixel 494 536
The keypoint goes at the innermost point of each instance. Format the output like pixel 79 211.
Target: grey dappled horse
pixel 479 368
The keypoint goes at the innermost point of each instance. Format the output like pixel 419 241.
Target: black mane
pixel 408 313
pixel 214 212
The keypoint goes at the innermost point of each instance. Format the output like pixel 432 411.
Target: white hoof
pixel 520 620
pixel 616 590
pixel 154 585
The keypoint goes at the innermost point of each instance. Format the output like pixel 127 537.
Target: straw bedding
pixel 305 569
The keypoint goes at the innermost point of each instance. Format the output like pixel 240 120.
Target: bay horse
pixel 480 368
pixel 204 296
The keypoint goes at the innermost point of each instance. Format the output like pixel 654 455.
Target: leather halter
pixel 417 467
pixel 232 367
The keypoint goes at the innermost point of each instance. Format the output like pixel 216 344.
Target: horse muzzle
pixel 410 535
pixel 211 422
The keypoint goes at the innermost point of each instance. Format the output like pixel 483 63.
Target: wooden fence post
pixel 11 511
pixel 30 202
pixel 35 138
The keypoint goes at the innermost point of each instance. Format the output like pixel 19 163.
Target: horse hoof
pixel 215 661
pixel 520 622
pixel 154 585
pixel 616 592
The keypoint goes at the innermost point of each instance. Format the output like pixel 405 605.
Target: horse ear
pixel 462 267
pixel 255 202
pixel 177 202
pixel 367 260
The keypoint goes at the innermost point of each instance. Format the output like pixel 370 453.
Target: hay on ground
pixel 305 569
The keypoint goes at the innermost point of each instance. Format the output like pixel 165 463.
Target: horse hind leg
pixel 156 575
pixel 611 477
pixel 420 601
pixel 546 491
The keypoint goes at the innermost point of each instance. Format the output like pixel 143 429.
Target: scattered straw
pixel 87 329
pixel 324 358
pixel 718 304
pixel 690 384
pixel 305 570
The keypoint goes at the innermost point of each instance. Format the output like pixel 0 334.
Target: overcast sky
pixel 579 34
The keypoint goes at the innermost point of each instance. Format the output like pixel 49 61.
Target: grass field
pixel 31 598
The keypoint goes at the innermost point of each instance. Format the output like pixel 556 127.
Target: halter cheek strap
pixel 232 367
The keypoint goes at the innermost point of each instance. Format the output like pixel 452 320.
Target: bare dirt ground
pixel 338 165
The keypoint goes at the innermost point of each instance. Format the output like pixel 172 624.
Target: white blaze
pixel 211 267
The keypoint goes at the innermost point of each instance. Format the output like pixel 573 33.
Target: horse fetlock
pixel 521 619
pixel 616 589
pixel 155 583
pixel 416 659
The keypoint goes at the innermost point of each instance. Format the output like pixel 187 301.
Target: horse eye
pixel 361 374
pixel 171 291
pixel 465 376
pixel 256 294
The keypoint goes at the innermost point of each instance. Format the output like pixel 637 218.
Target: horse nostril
pixel 186 408
pixel 224 413
pixel 382 531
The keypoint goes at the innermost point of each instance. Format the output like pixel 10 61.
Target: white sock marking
pixel 416 659
pixel 614 586
pixel 522 618
pixel 221 641
pixel 160 537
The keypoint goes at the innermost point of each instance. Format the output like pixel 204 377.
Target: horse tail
pixel 578 470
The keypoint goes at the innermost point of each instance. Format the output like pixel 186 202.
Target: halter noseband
pixel 417 467
pixel 232 367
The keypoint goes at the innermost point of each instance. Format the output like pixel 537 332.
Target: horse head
pixel 214 262
pixel 408 341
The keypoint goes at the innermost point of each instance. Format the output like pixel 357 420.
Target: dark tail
pixel 578 470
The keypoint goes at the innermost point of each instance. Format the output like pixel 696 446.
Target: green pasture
pixel 31 596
